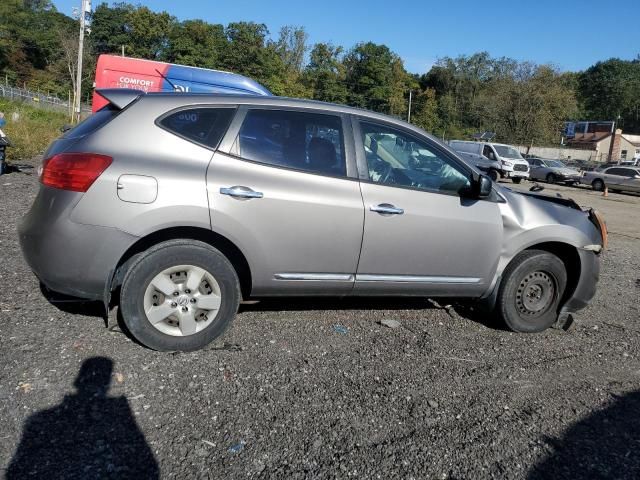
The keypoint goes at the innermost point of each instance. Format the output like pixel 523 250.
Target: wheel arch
pixel 220 242
pixel 566 252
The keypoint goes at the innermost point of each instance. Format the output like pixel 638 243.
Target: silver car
pixel 552 171
pixel 178 206
pixel 617 179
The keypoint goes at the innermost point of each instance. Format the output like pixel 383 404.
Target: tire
pixel 493 175
pixel 187 321
pixel 551 178
pixel 598 185
pixel 516 180
pixel 531 272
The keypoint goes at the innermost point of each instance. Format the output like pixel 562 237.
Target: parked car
pixel 631 163
pixel 177 206
pixel 604 166
pixel 617 179
pixel 496 159
pixel 552 171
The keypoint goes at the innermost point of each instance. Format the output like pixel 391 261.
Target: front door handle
pixel 386 208
pixel 240 192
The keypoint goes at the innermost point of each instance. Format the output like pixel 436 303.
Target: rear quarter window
pixel 93 122
pixel 203 125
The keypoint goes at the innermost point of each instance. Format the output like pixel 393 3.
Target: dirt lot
pixel 322 390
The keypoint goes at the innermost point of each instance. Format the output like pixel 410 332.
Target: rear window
pixel 311 142
pixel 93 122
pixel 203 125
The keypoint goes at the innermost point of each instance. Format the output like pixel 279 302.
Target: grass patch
pixel 34 130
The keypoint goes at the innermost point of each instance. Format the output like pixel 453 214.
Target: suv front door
pixel 280 187
pixel 420 235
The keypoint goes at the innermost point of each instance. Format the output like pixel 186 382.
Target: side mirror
pixel 66 127
pixel 480 188
pixel 484 186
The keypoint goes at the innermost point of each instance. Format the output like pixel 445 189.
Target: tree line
pixel 521 101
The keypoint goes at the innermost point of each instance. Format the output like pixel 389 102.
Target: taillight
pixel 73 171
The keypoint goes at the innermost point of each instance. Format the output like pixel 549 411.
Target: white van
pixel 496 159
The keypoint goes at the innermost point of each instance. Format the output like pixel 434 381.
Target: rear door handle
pixel 240 192
pixel 386 208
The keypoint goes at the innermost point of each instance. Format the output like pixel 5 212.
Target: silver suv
pixel 178 206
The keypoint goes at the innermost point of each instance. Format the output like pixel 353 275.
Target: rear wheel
pixel 598 185
pixel 179 295
pixel 551 178
pixel 531 290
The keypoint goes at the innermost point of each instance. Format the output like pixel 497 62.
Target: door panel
pixel 301 236
pixel 449 246
pixel 420 235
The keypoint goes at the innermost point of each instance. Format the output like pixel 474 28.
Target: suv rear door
pixel 420 235
pixel 282 186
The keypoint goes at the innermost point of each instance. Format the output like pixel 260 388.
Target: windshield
pixel 507 152
pixel 555 163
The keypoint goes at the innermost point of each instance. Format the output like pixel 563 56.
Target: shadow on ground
pixel 89 435
pixel 604 445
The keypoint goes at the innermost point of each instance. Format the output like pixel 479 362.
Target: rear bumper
pixel 68 257
pixel 567 178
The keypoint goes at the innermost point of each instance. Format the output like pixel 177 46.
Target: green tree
pixel 149 33
pixel 110 28
pixel 326 74
pixel 610 89
pixel 374 75
pixel 249 54
pixel 425 114
pixel 196 43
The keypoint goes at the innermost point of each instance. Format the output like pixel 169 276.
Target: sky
pixel 569 34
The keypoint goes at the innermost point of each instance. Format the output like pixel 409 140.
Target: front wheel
pixel 598 185
pixel 516 180
pixel 551 178
pixel 493 175
pixel 531 290
pixel 179 295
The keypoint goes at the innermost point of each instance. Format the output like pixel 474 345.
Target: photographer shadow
pixel 89 435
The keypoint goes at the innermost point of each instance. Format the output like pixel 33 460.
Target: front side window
pixel 394 158
pixel 487 151
pixel 621 172
pixel 204 125
pixel 310 142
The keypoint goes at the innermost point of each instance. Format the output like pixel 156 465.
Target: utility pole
pixel 85 8
pixel 409 112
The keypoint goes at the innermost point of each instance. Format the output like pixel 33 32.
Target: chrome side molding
pixel 316 277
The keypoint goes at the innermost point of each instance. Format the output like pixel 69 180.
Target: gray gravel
pixel 287 394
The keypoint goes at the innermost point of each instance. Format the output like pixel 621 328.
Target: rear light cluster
pixel 73 171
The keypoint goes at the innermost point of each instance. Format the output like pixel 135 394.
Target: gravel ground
pixel 301 389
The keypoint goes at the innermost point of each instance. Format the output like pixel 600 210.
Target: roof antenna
pixel 175 88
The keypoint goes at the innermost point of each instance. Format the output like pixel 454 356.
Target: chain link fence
pixel 39 99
